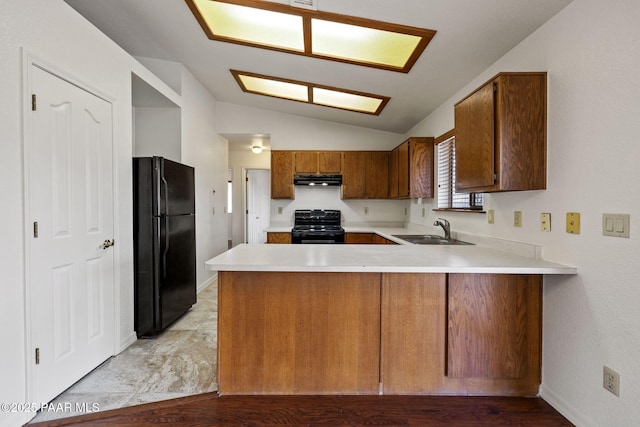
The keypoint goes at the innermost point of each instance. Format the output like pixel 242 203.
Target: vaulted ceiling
pixel 470 36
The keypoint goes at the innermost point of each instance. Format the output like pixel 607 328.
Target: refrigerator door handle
pixel 165 199
pixel 165 246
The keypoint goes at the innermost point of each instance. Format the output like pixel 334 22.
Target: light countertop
pixel 403 258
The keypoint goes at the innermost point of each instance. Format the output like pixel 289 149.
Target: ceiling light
pixel 361 44
pixel 312 33
pixel 272 87
pixel 311 93
pixel 257 149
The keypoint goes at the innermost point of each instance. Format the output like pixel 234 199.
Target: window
pixel 229 197
pixel 447 196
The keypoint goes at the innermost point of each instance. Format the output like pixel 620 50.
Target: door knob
pixel 108 243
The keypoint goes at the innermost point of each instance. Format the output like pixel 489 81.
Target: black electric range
pixel 317 226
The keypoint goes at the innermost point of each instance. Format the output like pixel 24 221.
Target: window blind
pixel 447 196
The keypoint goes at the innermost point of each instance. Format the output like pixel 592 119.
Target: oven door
pixel 317 237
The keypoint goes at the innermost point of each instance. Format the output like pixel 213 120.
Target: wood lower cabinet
pixel 500 132
pixel 494 333
pixel 278 237
pixel 413 333
pixel 359 238
pixel 351 333
pixel 366 239
pixel 298 333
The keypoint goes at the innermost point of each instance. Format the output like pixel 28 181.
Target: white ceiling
pixel 471 35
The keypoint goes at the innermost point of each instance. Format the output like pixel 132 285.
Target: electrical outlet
pixel 545 222
pixel 611 381
pixel 517 219
pixel 279 210
pixel 423 212
pixel 366 211
pixel 491 216
pixel 573 222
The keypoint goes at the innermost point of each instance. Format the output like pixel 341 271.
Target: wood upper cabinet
pixel 501 135
pixel 353 176
pixel 393 173
pixel 312 162
pixel 365 175
pixel 411 169
pixel 282 175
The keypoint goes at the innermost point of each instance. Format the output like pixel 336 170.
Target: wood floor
pixel 212 410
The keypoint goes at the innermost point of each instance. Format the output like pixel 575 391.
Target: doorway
pixel 258 192
pixel 70 228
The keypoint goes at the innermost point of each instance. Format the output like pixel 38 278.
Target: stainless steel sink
pixel 429 239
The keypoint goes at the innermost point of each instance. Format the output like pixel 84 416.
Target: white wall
pixel 54 33
pixel 590 51
pixel 207 152
pixel 157 132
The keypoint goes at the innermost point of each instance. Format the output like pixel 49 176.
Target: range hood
pixel 320 180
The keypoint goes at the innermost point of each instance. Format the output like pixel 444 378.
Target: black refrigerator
pixel 164 236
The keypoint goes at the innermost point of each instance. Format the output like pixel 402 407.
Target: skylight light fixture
pixel 312 33
pixel 311 93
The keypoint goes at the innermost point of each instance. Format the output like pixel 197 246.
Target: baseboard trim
pixel 127 341
pixel 566 409
pixel 204 285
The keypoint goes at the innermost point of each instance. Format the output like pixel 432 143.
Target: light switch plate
pixel 545 222
pixel 615 225
pixel 491 218
pixel 573 222
pixel 517 218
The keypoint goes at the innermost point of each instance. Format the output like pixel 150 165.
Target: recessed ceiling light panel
pixel 318 34
pixel 362 44
pixel 277 88
pixel 311 93
pixel 346 101
pixel 251 25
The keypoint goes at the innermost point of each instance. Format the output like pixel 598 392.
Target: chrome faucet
pixel 445 226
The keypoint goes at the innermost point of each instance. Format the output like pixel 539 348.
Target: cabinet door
pixel 494 328
pixel 403 170
pixel 521 131
pixel 282 175
pixel 413 333
pixel 277 337
pixel 393 173
pixel 353 175
pixel 421 167
pixel 475 139
pixel 377 175
pixel 306 162
pixel 279 237
pixel 359 238
pixel 330 162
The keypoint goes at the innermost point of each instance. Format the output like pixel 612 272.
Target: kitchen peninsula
pixel 369 319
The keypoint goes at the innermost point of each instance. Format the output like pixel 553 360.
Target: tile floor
pixel 179 362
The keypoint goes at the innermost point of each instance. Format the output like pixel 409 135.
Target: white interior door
pixel 258 201
pixel 70 193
